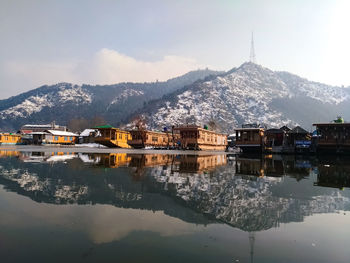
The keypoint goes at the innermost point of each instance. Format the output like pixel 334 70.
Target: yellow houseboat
pixel 197 138
pixel 113 137
pixel 10 139
pixel 54 137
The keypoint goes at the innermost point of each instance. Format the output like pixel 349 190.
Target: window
pixel 154 139
pixel 120 136
pixel 56 138
pixel 65 138
pixel 71 138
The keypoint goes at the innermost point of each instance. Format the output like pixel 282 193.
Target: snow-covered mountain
pixel 248 94
pixel 63 102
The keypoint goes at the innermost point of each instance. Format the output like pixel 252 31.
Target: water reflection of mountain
pixel 247 192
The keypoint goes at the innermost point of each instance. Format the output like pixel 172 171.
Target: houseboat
pixel 275 140
pixel 251 138
pixel 197 138
pixel 54 137
pixel 144 139
pixel 333 137
pixel 10 139
pixel 112 137
pixel 298 141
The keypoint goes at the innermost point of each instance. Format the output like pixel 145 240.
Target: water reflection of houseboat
pixel 149 160
pixel 271 166
pixel 5 153
pixel 111 160
pixel 333 173
pixel 40 157
pixel 200 163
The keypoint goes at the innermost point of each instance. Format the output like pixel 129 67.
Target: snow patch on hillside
pixel 36 103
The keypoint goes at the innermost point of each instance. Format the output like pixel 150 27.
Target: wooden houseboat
pixel 333 137
pixel 144 138
pixel 55 137
pixel 251 139
pixel 10 139
pixel 275 140
pixel 113 137
pixel 298 140
pixel 197 138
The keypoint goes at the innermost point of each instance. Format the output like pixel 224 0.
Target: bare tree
pixel 139 123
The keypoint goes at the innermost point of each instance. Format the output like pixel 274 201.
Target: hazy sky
pixel 105 41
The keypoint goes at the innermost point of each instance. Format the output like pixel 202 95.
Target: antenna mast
pixel 252 51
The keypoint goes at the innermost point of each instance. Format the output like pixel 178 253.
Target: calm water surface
pixel 57 207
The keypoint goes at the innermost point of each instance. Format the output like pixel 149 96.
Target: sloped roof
pixel 61 133
pixel 299 130
pixel 274 131
pixel 87 132
pixel 103 127
pixel 285 128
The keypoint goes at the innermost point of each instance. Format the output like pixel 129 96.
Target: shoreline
pixel 84 149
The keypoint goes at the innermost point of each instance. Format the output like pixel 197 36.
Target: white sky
pixel 105 42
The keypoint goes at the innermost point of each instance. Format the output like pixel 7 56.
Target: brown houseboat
pixel 197 138
pixel 251 139
pixel 143 138
pixel 333 137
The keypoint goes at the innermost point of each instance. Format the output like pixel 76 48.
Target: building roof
pixel 274 131
pixel 298 130
pixel 86 132
pixel 104 127
pixel 194 127
pixel 249 129
pixel 332 124
pixel 285 128
pixel 61 133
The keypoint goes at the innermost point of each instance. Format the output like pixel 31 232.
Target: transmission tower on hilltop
pixel 252 57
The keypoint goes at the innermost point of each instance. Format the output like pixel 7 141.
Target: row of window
pixel 56 138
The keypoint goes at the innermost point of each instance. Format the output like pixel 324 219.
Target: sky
pixel 44 42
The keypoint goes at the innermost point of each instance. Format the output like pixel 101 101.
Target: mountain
pixel 248 94
pixel 64 101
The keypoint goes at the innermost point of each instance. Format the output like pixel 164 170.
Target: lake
pixel 124 207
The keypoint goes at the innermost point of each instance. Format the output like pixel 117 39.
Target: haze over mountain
pixel 247 94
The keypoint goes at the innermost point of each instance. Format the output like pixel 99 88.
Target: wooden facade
pixel 143 139
pixel 113 137
pixel 55 137
pixel 251 139
pixel 196 138
pixel 333 137
pixel 10 139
